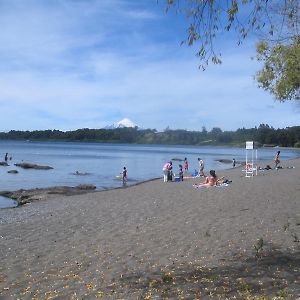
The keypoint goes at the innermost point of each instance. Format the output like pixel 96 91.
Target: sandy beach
pixel 158 241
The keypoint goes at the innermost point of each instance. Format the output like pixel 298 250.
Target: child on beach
pixel 200 167
pixel 186 165
pixel 124 175
pixel 180 172
pixel 233 162
pixel 209 181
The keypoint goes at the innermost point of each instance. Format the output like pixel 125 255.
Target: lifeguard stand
pixel 251 159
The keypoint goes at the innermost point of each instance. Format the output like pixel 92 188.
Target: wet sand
pixel 157 241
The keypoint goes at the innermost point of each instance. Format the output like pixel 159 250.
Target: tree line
pixel 264 134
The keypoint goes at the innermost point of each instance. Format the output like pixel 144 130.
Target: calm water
pixel 6 203
pixel 102 162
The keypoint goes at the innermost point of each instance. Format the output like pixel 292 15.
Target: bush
pixel 297 145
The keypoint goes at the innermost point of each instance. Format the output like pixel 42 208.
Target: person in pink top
pixel 186 165
pixel 166 169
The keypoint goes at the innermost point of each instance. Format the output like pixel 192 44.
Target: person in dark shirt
pixel 124 175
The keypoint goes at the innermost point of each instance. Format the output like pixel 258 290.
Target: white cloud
pixel 75 64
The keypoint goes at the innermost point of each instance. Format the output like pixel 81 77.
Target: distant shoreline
pixel 238 145
pixel 263 134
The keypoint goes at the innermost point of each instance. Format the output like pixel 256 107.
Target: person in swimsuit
pixel 180 172
pixel 210 180
pixel 124 175
pixel 200 167
pixel 186 165
pixel 276 159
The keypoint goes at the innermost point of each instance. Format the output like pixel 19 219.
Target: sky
pixel 70 64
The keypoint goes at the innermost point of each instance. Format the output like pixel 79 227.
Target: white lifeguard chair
pixel 251 159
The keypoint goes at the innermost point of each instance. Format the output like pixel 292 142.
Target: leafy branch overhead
pixel 281 71
pixel 275 23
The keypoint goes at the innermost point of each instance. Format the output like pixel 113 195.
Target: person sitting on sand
pixel 209 181
pixel 267 167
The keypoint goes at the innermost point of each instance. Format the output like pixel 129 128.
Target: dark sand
pixel 158 241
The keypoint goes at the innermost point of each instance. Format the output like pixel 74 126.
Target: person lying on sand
pixel 267 167
pixel 209 181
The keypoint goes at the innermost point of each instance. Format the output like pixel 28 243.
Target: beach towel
pixel 190 177
pixel 200 186
pixel 221 185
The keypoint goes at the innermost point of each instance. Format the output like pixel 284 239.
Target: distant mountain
pixel 122 124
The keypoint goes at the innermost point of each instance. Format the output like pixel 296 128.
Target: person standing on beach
pixel 170 172
pixel 276 159
pixel 186 165
pixel 6 157
pixel 180 172
pixel 200 167
pixel 124 175
pixel 233 162
pixel 167 168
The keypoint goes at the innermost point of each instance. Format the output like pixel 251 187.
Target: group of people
pixel 276 162
pixel 168 170
pixel 6 157
pixel 168 174
pixel 210 180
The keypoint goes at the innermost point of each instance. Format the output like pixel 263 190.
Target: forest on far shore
pixel 264 135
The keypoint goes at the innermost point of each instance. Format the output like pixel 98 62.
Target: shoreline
pixel 105 179
pixel 25 196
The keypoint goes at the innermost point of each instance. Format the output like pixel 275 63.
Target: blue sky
pixel 75 64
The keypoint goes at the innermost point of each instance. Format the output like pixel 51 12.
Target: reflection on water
pixel 6 202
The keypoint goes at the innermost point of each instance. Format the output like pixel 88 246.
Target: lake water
pixel 6 203
pixel 102 162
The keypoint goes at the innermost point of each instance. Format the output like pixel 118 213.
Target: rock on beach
pixel 26 196
pixel 13 171
pixel 26 165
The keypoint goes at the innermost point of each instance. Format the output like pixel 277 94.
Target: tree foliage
pixel 274 22
pixel 264 134
pixel 281 71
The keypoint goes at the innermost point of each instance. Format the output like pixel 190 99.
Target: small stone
pixel 12 172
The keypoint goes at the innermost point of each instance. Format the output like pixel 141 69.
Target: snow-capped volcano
pixel 126 123
pixel 122 124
